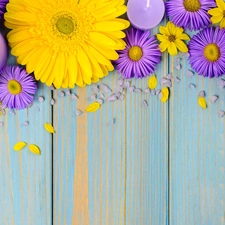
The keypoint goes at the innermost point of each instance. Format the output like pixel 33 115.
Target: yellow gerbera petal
pixel 215 12
pixel 49 128
pixel 216 19
pixel 19 146
pixel 172 49
pixel 181 46
pixel 202 102
pixel 222 23
pixel 152 82
pixel 35 149
pixel 93 107
pixel 220 4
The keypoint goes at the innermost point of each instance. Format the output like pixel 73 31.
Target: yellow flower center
pixel 212 52
pixel 192 5
pixel 223 13
pixel 14 87
pixel 65 25
pixel 65 28
pixel 135 53
pixel 172 38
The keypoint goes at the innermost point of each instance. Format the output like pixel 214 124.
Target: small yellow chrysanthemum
pixel 218 13
pixel 171 38
pixel 66 42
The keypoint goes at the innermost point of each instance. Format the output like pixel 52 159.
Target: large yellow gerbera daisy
pixel 218 13
pixel 66 42
pixel 172 38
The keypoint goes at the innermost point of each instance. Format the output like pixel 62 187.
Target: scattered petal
pixel 121 97
pixel 177 79
pixel 2 112
pixel 189 73
pixel 93 107
pixel 37 108
pixel 131 89
pixel 68 92
pixel 35 149
pixel 26 123
pixel 12 112
pixel 19 146
pixel 74 96
pixel 52 88
pixel 112 98
pixel 120 89
pixel 152 82
pixel 153 92
pixel 62 94
pixel 100 101
pixel 178 67
pixel 158 92
pixel 102 95
pixel 178 60
pixel 120 82
pixel 147 90
pixel 169 76
pixel 126 84
pixel 165 94
pixel 192 86
pixel 1 124
pixel 96 88
pixel 137 90
pixel 202 94
pixel 202 102
pixel 213 99
pixel 107 89
pixel 41 99
pixel 221 83
pixel 93 97
pixel 221 113
pixel 112 122
pixel 164 81
pixel 78 112
pixel 52 101
pixel 144 103
pixel 49 128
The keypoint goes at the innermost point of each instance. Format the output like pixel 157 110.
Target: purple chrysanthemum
pixel 2 7
pixel 141 55
pixel 192 14
pixel 17 88
pixel 207 52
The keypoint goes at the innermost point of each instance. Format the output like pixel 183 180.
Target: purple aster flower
pixel 17 88
pixel 2 7
pixel 192 14
pixel 141 55
pixel 207 52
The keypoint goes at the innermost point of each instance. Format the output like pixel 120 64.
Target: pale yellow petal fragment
pixel 202 102
pixel 93 107
pixel 165 92
pixel 19 146
pixel 49 128
pixel 35 149
pixel 152 82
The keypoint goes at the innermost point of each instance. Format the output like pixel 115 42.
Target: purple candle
pixel 145 14
pixel 3 52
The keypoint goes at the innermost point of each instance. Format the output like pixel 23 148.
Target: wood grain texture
pixel 26 179
pixel 197 146
pixel 110 175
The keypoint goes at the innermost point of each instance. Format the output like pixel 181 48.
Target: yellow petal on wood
pixel 35 149
pixel 165 92
pixel 49 128
pixel 202 102
pixel 93 107
pixel 19 146
pixel 152 82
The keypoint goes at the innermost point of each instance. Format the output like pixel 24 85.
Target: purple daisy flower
pixel 17 88
pixel 2 7
pixel 192 14
pixel 207 52
pixel 141 55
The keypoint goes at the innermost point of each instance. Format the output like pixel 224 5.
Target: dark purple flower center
pixel 14 87
pixel 135 53
pixel 212 52
pixel 172 38
pixel 192 5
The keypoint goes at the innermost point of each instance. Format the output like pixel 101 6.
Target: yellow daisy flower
pixel 171 38
pixel 66 42
pixel 218 14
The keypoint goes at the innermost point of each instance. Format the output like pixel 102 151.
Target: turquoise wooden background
pixel 159 165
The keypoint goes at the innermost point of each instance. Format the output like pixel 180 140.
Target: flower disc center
pixel 135 53
pixel 14 87
pixel 65 25
pixel 223 13
pixel 172 38
pixel 192 5
pixel 212 52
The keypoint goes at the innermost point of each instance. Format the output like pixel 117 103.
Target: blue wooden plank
pixel 196 152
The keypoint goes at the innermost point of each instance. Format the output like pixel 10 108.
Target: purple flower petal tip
pixel 3 52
